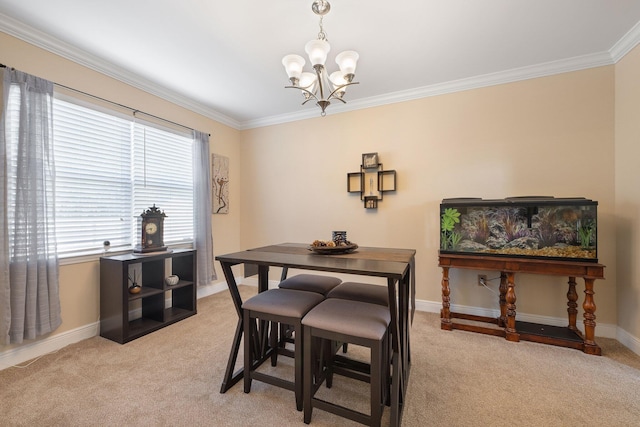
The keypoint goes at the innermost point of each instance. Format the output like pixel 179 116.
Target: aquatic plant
pixel 482 231
pixel 512 223
pixel 585 232
pixel 449 239
pixel 455 239
pixel 547 221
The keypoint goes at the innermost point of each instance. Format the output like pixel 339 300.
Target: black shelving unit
pixel 117 305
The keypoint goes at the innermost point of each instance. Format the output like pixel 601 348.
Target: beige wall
pixel 79 283
pixel 547 136
pixel 627 180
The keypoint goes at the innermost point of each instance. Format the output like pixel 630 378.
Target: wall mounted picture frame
pixel 370 160
pixel 219 184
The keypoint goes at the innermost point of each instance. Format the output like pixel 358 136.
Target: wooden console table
pixel 514 330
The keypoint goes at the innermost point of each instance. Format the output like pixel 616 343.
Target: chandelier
pixel 319 86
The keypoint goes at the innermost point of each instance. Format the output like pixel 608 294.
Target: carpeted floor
pixel 172 378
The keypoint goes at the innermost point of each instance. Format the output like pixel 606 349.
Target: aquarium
pixel 534 227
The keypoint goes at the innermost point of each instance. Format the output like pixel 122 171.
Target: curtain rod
pixel 134 110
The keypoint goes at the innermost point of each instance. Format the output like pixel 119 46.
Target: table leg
pixel 572 310
pixel 230 377
pixel 502 320
pixel 589 306
pixel 510 330
pixel 395 393
pixel 263 278
pixel 403 301
pixel 399 352
pixel 445 313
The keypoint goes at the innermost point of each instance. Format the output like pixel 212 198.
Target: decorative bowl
pixel 172 280
pixel 333 250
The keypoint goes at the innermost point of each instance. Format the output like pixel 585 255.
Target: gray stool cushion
pixel 359 319
pixel 362 292
pixel 283 302
pixel 310 283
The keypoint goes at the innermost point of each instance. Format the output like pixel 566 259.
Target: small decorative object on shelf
pixel 172 280
pixel 339 237
pixel 372 181
pixel 151 229
pixel 134 288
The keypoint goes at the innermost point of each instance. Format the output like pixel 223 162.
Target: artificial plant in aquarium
pixel 450 237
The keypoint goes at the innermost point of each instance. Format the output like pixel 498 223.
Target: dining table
pixel 395 265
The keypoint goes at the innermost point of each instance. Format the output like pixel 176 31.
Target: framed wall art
pixel 370 160
pixel 220 184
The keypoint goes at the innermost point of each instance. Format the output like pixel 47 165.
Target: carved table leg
pixel 445 313
pixel 572 305
pixel 510 330
pixel 502 320
pixel 589 306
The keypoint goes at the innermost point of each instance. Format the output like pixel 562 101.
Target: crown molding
pixel 626 43
pixel 491 79
pixel 51 44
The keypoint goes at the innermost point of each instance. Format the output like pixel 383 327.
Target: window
pixel 109 169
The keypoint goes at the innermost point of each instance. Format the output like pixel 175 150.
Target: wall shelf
pixel 372 181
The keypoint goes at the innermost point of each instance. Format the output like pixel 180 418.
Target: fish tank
pixel 534 227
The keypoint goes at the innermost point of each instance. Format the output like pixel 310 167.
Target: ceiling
pixel 223 58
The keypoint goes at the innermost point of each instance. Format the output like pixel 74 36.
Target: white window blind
pixel 163 175
pixel 93 179
pixel 109 170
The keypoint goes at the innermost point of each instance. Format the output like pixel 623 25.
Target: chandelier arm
pixel 304 90
pixel 332 95
pixel 309 98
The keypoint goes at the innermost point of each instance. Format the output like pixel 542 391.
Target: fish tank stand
pixel 506 325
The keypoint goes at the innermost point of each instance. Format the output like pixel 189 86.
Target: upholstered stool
pixel 310 283
pixel 359 323
pixel 273 307
pixel 362 292
pixel 301 282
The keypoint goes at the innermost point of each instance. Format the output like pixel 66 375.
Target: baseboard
pixel 42 347
pixel 628 340
pixel 212 288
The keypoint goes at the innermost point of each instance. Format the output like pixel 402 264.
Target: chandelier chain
pixel 322 35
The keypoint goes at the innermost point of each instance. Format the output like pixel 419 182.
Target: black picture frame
pixel 369 160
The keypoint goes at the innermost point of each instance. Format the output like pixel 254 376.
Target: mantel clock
pixel 151 231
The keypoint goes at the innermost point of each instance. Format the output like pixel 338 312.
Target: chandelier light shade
pixel 318 85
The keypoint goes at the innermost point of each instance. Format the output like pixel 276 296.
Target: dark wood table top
pixel 383 262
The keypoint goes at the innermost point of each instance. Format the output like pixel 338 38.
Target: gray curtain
pixel 29 295
pixel 202 209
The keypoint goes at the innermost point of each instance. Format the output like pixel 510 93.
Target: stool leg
pixel 376 382
pixel 307 382
pixel 326 365
pixel 299 363
pixel 273 342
